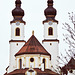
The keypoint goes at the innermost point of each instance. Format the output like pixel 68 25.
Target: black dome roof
pixel 50 10
pixel 18 11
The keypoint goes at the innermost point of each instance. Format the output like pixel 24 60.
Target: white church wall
pixel 54 26
pixel 51 46
pixel 14 48
pixel 13 27
pixel 53 50
pixel 37 62
pixel 47 63
pixel 27 62
pixel 36 65
pixel 22 62
pixel 17 63
pixel 47 60
pixel 41 59
pixel 42 67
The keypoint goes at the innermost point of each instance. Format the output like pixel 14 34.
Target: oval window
pixel 32 59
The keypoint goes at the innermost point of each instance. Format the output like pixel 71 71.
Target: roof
pixel 18 13
pixel 32 46
pixel 50 12
pixel 71 64
pixel 39 72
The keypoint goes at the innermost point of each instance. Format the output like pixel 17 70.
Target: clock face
pixel 18 23
pixel 50 22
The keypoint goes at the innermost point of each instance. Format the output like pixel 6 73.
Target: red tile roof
pixel 32 46
pixel 39 72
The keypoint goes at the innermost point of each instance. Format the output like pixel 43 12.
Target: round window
pixel 32 59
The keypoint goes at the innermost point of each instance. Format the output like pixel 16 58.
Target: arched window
pixel 20 63
pixel 50 31
pixel 44 62
pixel 17 32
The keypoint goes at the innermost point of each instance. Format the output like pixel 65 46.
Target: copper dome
pixel 18 11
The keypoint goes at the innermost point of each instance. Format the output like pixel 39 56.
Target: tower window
pixel 50 31
pixel 17 31
pixel 20 63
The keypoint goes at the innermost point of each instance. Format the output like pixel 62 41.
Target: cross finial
pixel 33 32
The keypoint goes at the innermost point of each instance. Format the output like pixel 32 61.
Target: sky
pixel 34 15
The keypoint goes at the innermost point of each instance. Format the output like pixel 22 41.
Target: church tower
pixel 50 41
pixel 17 34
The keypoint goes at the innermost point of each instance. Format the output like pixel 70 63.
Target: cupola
pixel 18 12
pixel 50 12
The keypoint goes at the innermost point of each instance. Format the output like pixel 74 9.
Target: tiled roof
pixel 70 65
pixel 32 46
pixel 39 72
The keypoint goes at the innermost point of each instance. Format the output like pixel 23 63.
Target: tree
pixel 69 38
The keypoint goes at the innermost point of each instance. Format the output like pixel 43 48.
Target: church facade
pixel 32 57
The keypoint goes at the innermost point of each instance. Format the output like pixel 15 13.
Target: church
pixel 31 57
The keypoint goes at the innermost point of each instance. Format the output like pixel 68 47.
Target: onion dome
pixel 32 46
pixel 18 12
pixel 50 12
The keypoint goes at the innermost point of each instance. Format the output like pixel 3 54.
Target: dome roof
pixel 18 11
pixel 50 11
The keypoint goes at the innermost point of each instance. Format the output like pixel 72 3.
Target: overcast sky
pixel 34 15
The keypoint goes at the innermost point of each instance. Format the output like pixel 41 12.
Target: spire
pixel 18 3
pixel 18 12
pixel 50 3
pixel 50 12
